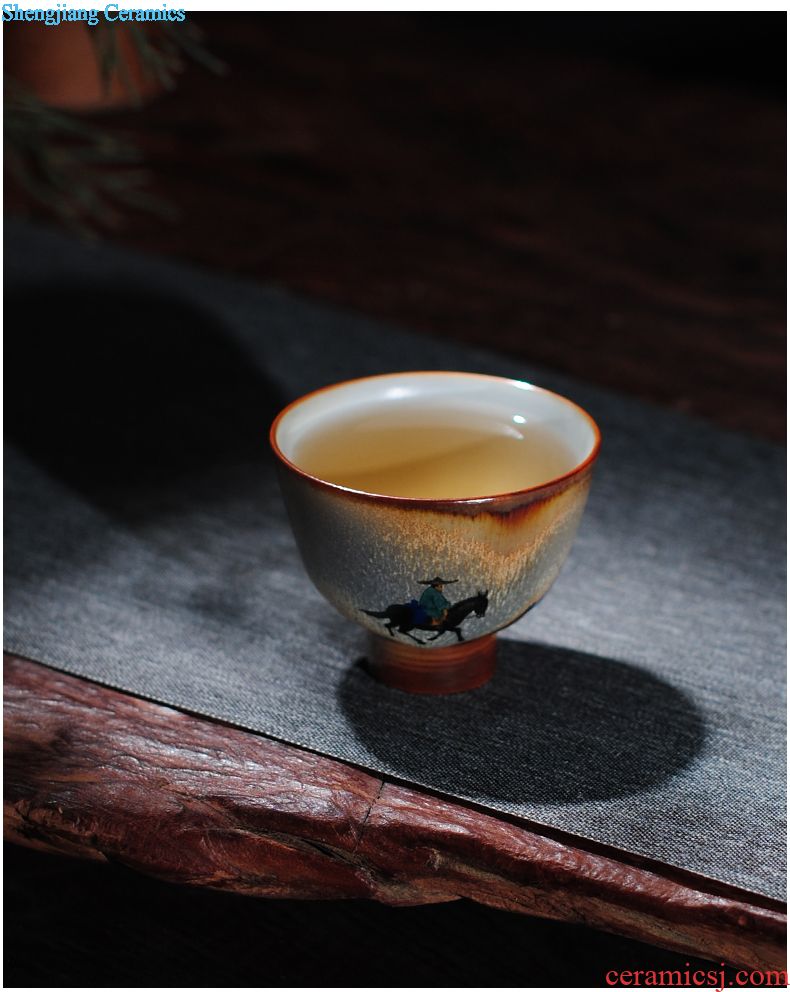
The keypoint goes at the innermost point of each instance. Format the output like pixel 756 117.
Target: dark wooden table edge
pixel 93 772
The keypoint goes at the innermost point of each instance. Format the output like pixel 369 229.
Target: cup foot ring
pixel 432 671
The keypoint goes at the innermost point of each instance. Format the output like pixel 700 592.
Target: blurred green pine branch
pixel 162 53
pixel 72 170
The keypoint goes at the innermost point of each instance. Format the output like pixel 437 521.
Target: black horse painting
pixel 400 617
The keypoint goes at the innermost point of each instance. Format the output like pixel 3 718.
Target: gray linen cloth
pixel 640 705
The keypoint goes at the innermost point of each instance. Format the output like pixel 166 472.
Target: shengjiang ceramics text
pixel 61 13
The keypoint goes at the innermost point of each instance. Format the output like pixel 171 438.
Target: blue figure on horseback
pixel 432 606
pixel 433 612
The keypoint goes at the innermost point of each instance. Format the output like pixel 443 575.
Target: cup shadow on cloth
pixel 554 726
pixel 135 400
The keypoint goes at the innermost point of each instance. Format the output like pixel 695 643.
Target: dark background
pixel 598 194
pixel 74 923
pixel 604 195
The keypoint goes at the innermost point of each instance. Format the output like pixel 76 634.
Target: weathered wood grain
pixel 98 774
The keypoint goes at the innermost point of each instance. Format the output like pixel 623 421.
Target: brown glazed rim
pixel 426 501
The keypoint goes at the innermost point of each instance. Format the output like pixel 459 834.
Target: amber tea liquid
pixel 432 454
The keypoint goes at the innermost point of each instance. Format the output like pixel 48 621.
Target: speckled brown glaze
pixel 366 553
pixel 371 554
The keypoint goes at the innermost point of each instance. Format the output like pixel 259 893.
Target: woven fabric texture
pixel 640 705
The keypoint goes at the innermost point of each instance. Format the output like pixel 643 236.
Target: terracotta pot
pixel 60 65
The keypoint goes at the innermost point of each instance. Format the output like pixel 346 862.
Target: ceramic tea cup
pixel 434 509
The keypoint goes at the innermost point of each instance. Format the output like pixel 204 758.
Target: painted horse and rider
pixel 432 612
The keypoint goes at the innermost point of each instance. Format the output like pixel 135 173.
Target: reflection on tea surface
pixel 433 454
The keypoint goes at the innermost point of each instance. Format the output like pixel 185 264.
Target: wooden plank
pixel 95 773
